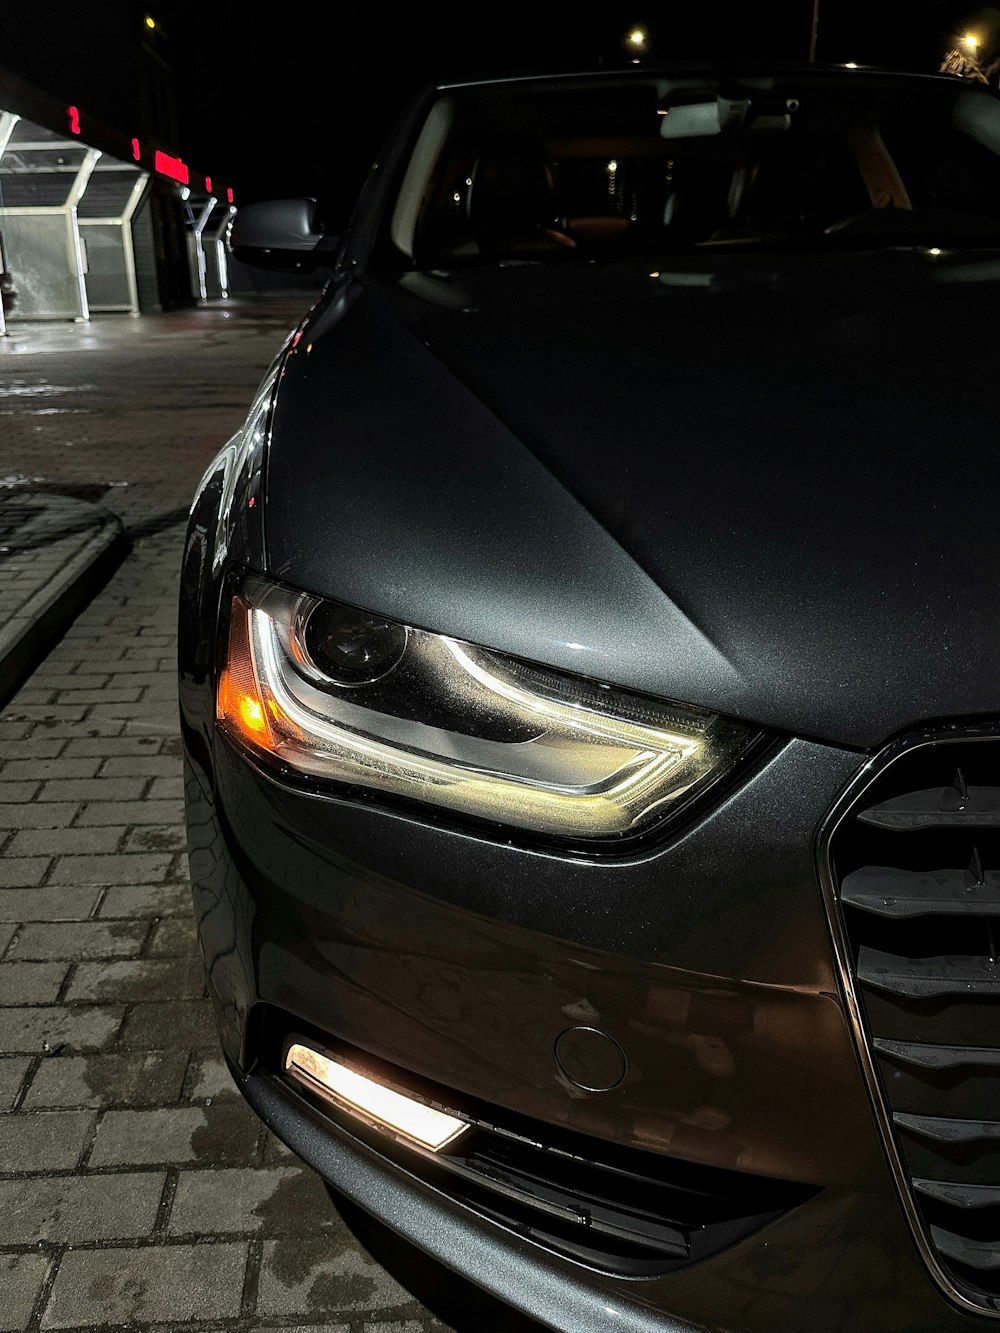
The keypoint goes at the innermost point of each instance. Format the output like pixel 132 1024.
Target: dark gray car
pixel 590 678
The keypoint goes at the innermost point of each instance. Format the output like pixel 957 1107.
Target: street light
pixel 637 39
pixel 971 41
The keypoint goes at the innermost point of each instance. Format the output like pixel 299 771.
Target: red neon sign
pixel 171 166
pixel 136 150
pixel 208 184
pixel 229 196
pixel 73 116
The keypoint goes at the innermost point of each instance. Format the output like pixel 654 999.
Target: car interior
pixel 674 165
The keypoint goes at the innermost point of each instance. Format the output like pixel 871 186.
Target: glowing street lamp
pixel 637 39
pixel 971 41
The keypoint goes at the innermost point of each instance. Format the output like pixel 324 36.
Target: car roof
pixel 732 68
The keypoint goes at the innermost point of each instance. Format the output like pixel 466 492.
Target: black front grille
pixel 619 1210
pixel 916 869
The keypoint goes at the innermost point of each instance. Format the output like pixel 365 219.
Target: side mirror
pixel 281 234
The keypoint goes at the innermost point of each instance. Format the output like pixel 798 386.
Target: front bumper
pixel 461 959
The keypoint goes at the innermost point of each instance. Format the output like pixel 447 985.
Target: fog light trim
pixel 372 1102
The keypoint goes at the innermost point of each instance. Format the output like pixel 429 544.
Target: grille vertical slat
pixel 916 871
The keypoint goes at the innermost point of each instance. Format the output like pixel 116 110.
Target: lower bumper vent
pixel 619 1210
pixel 915 868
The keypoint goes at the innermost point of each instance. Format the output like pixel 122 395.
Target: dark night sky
pixel 297 102
pixel 299 105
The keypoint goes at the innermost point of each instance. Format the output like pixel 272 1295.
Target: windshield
pixel 591 167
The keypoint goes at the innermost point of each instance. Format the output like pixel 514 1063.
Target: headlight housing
pixel 343 696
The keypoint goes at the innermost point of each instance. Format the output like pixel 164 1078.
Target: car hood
pixel 761 486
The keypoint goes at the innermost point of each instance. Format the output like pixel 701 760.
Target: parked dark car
pixel 590 680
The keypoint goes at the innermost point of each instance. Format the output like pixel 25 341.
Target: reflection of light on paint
pixel 208 184
pixel 73 116
pixel 229 196
pixel 136 150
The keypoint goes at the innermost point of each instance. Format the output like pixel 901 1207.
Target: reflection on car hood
pixel 763 486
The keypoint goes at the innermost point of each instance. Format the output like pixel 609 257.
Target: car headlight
pixel 345 696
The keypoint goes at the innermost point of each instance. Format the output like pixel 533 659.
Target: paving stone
pixel 156 900
pixel 314 1275
pixel 66 841
pixel 166 789
pixel 53 814
pixel 8 929
pixel 132 812
pixel 21 1278
pixel 54 1027
pixel 31 983
pixel 208 1078
pixel 58 715
pixel 77 729
pixel 91 789
pixel 43 1140
pixel 223 1132
pixel 34 694
pixel 174 938
pixel 147 1285
pixel 304 1328
pixel 406 1326
pixel 149 718
pixel 108 1080
pixel 80 940
pixel 156 838
pixel 12 1072
pixel 174 1025
pixel 278 1200
pixel 16 793
pixel 134 869
pixel 22 871
pixel 69 680
pixel 104 747
pixel 30 748
pixel 107 695
pixel 276 1153
pixel 31 770
pixel 140 979
pixel 75 1209
pixel 48 904
pixel 141 766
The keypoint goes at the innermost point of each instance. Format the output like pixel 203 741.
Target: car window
pixel 561 170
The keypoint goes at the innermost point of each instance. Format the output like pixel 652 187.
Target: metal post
pixel 76 250
pixel 199 230
pixel 138 190
pixel 7 122
pixel 814 33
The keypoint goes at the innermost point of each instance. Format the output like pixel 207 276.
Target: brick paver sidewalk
pixel 135 1187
